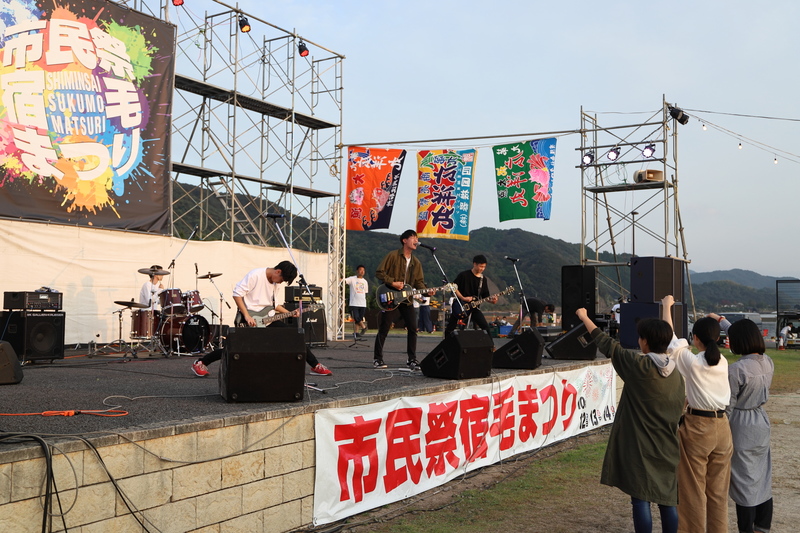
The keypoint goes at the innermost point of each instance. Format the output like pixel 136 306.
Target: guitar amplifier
pixel 33 301
pixel 299 294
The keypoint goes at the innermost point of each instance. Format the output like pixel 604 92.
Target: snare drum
pixel 192 301
pixel 144 323
pixel 171 302
pixel 184 334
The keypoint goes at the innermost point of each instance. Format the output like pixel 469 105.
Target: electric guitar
pixel 390 298
pixel 267 316
pixel 467 306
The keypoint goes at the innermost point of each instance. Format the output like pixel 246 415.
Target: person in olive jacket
pixel 642 454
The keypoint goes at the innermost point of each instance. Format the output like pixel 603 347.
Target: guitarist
pixel 397 269
pixel 472 285
pixel 255 292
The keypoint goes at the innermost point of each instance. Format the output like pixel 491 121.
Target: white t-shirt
pixel 707 387
pixel 358 291
pixel 148 295
pixel 615 312
pixel 256 291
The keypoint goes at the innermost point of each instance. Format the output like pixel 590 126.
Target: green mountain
pixel 540 262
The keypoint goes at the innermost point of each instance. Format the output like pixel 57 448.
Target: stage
pixel 162 391
pixel 184 456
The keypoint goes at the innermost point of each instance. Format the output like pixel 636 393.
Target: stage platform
pixel 162 391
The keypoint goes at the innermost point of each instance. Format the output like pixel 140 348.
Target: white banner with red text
pixel 372 455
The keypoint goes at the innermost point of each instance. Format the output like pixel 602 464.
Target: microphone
pixel 431 248
pixel 272 215
pixel 512 259
pixel 195 269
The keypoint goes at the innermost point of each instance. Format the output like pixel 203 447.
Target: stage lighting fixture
pixel 244 24
pixel 704 127
pixel 177 2
pixel 613 154
pixel 303 49
pixel 740 146
pixel 776 160
pixel 678 114
pixel 588 158
pixel 649 150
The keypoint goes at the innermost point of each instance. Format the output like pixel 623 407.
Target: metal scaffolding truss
pixel 626 196
pixel 256 128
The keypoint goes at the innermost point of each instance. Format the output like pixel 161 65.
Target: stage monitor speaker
pixel 34 335
pixel 652 278
pixel 577 290
pixel 461 355
pixel 10 369
pixel 632 312
pixel 523 351
pixel 263 365
pixel 577 343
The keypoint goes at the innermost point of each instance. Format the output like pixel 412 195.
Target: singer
pixel 398 269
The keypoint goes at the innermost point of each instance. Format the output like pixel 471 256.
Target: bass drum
pixel 184 334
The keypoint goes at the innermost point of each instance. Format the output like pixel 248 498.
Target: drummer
pixel 152 288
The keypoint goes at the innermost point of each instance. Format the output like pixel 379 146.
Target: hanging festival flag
pixel 444 193
pixel 524 173
pixel 372 178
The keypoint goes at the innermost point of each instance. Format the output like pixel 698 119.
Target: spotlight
pixel 303 49
pixel 613 154
pixel 704 127
pixel 177 2
pixel 649 150
pixel 244 24
pixel 678 114
pixel 740 146
pixel 776 160
pixel 588 158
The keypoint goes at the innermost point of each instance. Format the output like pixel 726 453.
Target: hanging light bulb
pixel 649 150
pixel 776 160
pixel 613 154
pixel 740 146
pixel 704 127
pixel 588 158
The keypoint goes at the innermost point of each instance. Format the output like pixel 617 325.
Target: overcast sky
pixel 439 69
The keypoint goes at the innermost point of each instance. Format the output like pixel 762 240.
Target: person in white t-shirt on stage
pixel 151 288
pixel 359 287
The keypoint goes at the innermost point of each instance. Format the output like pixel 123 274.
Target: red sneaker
pixel 200 370
pixel 320 370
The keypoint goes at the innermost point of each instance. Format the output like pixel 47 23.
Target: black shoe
pixel 378 363
pixel 413 364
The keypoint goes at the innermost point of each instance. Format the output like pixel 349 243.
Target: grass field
pixel 550 491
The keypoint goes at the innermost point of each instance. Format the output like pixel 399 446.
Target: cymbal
pixel 209 275
pixel 133 304
pixel 151 272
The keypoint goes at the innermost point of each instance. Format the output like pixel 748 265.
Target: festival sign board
pixel 444 193
pixel 373 175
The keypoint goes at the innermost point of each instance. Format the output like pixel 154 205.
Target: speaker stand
pixel 123 346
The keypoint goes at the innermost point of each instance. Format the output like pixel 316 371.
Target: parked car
pixel 733 317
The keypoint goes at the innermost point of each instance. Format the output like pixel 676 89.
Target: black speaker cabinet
pixel 10 369
pixel 577 343
pixel 522 351
pixel 577 290
pixel 461 355
pixel 34 335
pixel 632 312
pixel 263 365
pixel 314 324
pixel 652 278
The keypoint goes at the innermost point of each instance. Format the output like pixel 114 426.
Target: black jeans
pixel 759 516
pixel 475 314
pixel 406 311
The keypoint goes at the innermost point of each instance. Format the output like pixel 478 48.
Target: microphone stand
pixel 171 266
pixel 221 299
pixel 445 281
pixel 523 301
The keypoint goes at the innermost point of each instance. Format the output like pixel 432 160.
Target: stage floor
pixel 163 391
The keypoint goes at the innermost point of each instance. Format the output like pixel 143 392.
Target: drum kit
pixel 175 329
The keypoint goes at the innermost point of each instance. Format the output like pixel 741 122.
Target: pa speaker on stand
pixel 34 335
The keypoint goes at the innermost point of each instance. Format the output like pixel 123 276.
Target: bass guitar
pixel 267 316
pixel 390 298
pixel 467 306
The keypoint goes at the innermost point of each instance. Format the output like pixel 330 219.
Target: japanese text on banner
pixel 373 175
pixel 524 174
pixel 444 193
